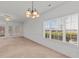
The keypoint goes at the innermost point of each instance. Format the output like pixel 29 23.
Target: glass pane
pixel 72 29
pixel 53 29
pixel 10 30
pixel 47 34
pixel 2 31
pixel 56 31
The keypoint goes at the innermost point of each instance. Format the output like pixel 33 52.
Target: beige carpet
pixel 21 47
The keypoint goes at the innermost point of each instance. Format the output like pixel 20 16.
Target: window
pixel 10 30
pixel 2 31
pixel 72 29
pixel 53 29
pixel 62 29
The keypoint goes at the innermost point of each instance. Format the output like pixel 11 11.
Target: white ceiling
pixel 16 9
pixel 68 8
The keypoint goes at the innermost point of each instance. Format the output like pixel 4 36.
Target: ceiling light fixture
pixel 32 13
pixel 7 18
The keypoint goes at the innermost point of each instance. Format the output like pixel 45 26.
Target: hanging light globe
pixel 35 12
pixel 28 13
pixel 37 15
pixel 33 17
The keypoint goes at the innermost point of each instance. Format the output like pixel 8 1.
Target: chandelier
pixel 32 13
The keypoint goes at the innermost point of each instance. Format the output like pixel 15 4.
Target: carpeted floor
pixel 21 47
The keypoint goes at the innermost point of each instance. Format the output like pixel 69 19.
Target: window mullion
pixel 64 29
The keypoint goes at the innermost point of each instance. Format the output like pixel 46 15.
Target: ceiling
pixel 16 9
